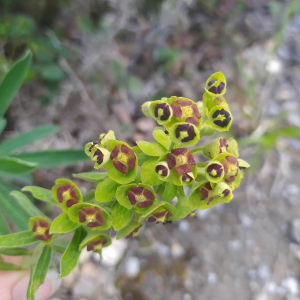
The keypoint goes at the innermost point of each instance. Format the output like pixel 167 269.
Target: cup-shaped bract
pixel 90 215
pixel 215 148
pixel 223 192
pixel 182 165
pixel 95 241
pixel 230 164
pixel 185 110
pixel 220 118
pixel 184 134
pixel 122 164
pixel 137 196
pixel 214 171
pixel 40 227
pixel 162 213
pixel 159 110
pixel 216 84
pixel 97 154
pixel 66 193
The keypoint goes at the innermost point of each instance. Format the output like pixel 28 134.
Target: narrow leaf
pixel 18 251
pixel 14 165
pixel 91 176
pixel 13 210
pixel 27 138
pixel 40 193
pixel 39 272
pixel 62 224
pixel 71 255
pixel 2 125
pixel 18 239
pixel 54 158
pixel 4 228
pixel 13 80
pixel 27 204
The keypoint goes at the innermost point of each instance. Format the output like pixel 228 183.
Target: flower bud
pixel 214 171
pixel 185 134
pixel 216 84
pixel 220 118
pixel 66 193
pixel 40 227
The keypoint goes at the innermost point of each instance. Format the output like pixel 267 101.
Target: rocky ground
pixel 248 249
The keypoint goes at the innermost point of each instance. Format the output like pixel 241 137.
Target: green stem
pixel 197 150
pixel 181 191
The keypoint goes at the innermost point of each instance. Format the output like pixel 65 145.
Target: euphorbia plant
pixel 159 182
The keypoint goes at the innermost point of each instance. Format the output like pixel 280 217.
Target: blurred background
pixel 95 62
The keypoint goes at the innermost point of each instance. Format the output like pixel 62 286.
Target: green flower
pixel 66 193
pixel 184 134
pixel 129 231
pixel 220 118
pixel 223 192
pixel 90 215
pixel 216 84
pixel 215 148
pixel 40 227
pixel 95 241
pixel 214 171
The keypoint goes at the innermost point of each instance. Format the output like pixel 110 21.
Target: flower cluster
pixel 153 182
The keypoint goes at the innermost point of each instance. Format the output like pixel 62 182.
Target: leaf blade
pixel 13 80
pixel 14 165
pixel 39 193
pixel 22 238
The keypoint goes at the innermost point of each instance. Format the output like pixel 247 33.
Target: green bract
pixel 152 182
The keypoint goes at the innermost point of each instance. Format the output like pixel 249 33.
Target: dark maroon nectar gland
pixel 160 216
pixel 162 170
pixel 140 196
pixel 96 244
pixel 217 89
pixel 92 215
pixel 67 194
pixel 41 229
pixel 186 110
pixel 162 112
pixel 134 233
pixel 123 158
pixel 206 193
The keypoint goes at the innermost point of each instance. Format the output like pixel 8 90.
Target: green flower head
pixel 184 134
pixel 220 118
pixel 216 84
pixel 40 227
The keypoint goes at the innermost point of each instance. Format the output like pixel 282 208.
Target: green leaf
pixel 71 255
pixel 151 149
pixel 16 166
pixel 18 239
pixel 106 190
pixel 121 216
pixel 38 274
pixel 13 210
pixel 6 266
pixel 148 174
pixel 91 176
pixel 161 137
pixel 39 193
pixel 24 179
pixel 169 192
pixel 62 224
pixel 2 125
pixel 18 251
pixel 13 80
pixel 27 138
pixel 27 204
pixel 53 158
pixel 4 228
